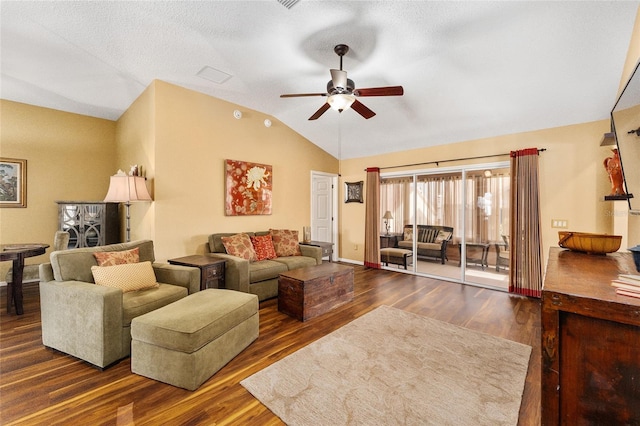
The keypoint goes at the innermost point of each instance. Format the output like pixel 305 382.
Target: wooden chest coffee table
pixel 308 292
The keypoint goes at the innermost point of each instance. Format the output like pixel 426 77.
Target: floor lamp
pixel 126 189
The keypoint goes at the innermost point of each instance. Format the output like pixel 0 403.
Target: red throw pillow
pixel 285 242
pixel 239 245
pixel 263 246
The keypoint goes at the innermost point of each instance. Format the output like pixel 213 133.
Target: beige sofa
pixel 261 277
pixel 92 322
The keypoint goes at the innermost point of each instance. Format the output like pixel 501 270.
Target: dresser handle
pixel 550 346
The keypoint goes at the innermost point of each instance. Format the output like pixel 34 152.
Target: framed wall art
pixel 353 192
pixel 248 188
pixel 13 182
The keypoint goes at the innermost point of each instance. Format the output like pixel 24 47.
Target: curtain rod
pixel 437 163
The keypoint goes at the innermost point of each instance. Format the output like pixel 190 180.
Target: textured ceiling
pixel 469 69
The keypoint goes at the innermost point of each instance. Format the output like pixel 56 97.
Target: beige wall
pixel 69 157
pixel 573 180
pixel 190 137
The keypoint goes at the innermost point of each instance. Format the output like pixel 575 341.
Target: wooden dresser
pixel 590 342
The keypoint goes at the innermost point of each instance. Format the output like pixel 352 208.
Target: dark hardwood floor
pixel 41 386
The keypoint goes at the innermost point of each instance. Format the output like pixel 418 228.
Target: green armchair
pixel 93 322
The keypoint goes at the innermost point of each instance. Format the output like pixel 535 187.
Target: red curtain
pixel 372 219
pixel 525 262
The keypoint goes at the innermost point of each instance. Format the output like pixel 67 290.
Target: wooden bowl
pixel 589 243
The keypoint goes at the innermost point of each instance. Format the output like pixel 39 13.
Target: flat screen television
pixel 625 120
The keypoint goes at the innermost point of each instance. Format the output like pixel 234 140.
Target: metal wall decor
pixel 353 192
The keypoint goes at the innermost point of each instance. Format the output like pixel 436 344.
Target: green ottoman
pixel 188 341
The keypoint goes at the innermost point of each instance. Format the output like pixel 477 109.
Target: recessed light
pixel 267 122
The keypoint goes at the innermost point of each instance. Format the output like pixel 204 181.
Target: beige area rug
pixel 394 367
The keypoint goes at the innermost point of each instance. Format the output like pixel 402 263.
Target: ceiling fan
pixel 341 91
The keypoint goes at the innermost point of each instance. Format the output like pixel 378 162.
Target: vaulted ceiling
pixel 469 69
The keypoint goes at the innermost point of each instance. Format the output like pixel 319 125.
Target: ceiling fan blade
pixel 361 109
pixel 380 91
pixel 319 112
pixel 339 78
pixel 297 95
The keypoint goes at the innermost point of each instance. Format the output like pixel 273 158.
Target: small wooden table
pixel 17 253
pixel 212 269
pixel 327 248
pixel 308 292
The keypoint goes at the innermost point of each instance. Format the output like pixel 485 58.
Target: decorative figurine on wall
pixel 612 166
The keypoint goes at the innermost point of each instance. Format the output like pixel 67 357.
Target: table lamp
pixel 387 217
pixel 125 189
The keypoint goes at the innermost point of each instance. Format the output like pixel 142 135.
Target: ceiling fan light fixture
pixel 341 101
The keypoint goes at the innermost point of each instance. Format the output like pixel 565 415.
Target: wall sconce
pixel 126 189
pixel 636 131
pixel 237 114
pixel 387 217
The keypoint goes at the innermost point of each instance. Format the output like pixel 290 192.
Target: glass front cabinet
pixel 89 223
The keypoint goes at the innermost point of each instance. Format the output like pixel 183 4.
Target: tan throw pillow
pixel 285 242
pixel 263 246
pixel 111 258
pixel 127 277
pixel 442 235
pixel 408 234
pixel 240 245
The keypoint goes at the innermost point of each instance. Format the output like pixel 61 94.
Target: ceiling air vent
pixel 213 74
pixel 288 3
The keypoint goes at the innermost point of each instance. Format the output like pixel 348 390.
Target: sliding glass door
pixel 451 223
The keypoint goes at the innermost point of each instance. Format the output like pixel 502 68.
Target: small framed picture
pixel 13 182
pixel 353 192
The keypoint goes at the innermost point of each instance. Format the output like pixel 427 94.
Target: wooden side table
pixel 388 241
pixel 327 248
pixel 212 269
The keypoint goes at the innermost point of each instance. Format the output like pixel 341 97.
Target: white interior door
pixel 323 217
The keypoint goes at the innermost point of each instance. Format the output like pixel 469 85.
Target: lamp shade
pixel 125 189
pixel 387 215
pixel 341 101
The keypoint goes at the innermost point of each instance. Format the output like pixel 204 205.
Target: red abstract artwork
pixel 249 188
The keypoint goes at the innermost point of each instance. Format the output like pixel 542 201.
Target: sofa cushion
pixel 126 277
pixel 240 245
pixel 408 234
pixel 215 241
pixel 405 244
pixel 136 303
pixel 112 258
pixel 263 246
pixel 75 264
pixel 265 270
pixel 286 242
pixel 442 236
pixel 429 246
pixel 295 262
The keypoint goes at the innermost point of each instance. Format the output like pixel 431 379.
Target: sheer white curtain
pixel 394 197
pixel 487 204
pixel 439 201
